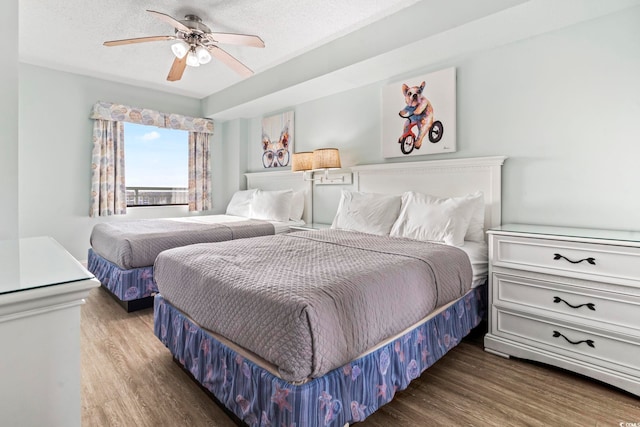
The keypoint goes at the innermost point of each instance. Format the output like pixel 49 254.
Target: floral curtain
pixel 192 124
pixel 124 113
pixel 108 191
pixel 199 172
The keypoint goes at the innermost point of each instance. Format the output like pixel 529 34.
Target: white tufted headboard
pixel 284 180
pixel 454 177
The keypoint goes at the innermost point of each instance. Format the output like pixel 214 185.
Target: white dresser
pixel 568 297
pixel 41 289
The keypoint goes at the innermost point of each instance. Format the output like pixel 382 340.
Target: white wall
pixel 563 106
pixel 55 151
pixel 234 136
pixel 9 120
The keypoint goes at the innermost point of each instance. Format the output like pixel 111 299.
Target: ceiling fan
pixel 196 44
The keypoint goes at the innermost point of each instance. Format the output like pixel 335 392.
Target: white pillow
pixel 240 203
pixel 271 205
pixel 475 232
pixel 430 218
pixel 367 212
pixel 297 205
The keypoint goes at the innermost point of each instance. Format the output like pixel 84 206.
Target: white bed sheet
pixel 280 227
pixel 285 227
pixel 478 253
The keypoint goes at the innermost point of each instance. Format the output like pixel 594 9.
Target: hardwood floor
pixel 129 379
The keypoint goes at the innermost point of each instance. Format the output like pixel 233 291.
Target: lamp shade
pixel 203 55
pixel 302 161
pixel 192 59
pixel 326 158
pixel 180 49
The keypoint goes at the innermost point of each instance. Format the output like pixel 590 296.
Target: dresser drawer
pixel 558 297
pixel 614 264
pixel 581 344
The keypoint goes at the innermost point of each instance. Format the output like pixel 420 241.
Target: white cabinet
pixel 567 297
pixel 41 289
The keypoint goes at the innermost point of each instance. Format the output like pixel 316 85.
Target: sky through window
pixel 155 157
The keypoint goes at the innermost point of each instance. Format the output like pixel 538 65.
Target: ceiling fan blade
pixel 170 20
pixel 138 40
pixel 229 60
pixel 177 69
pixel 230 38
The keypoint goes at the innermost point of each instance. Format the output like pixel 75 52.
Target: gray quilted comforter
pixel 136 243
pixel 309 302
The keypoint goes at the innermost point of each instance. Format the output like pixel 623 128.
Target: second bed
pixel 122 252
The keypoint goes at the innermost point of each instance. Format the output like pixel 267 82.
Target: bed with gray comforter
pixel 309 302
pixel 136 243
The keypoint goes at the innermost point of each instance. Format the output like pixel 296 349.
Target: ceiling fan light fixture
pixel 192 59
pixel 203 55
pixel 180 49
pixel 194 44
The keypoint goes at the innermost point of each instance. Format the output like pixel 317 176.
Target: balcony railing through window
pixel 157 196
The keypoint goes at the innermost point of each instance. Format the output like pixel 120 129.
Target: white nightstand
pixel 309 227
pixel 568 297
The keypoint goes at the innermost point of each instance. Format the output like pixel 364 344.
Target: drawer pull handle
pixel 590 343
pixel 590 305
pixel 590 260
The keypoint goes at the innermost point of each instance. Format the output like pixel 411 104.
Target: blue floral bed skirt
pixel 344 395
pixel 127 285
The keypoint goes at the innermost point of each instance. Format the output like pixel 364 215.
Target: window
pixel 156 165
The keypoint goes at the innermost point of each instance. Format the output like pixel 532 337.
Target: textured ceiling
pixel 68 34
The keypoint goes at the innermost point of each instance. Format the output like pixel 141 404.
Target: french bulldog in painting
pixel 276 153
pixel 418 112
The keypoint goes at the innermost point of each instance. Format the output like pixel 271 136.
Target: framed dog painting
pixel 277 140
pixel 419 115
